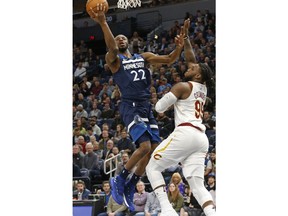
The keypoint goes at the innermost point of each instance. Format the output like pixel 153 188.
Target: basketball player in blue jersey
pixel 134 80
pixel 188 142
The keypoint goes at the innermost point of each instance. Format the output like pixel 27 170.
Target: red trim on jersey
pixel 189 124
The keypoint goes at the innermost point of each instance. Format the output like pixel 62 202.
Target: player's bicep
pixel 113 61
pixel 155 59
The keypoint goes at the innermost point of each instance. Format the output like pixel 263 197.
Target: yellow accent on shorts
pixel 163 149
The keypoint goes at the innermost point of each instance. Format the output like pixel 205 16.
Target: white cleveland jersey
pixel 191 109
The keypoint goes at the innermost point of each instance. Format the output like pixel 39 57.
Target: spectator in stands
pixel 125 143
pixel 107 111
pixel 100 63
pixel 82 100
pixel 139 200
pixel 116 151
pixel 83 47
pixel 163 85
pixel 178 181
pixel 82 143
pixel 117 134
pixel 91 135
pixel 76 134
pixel 175 29
pixel 91 162
pixel 85 64
pixel 116 98
pixel 111 85
pixel 175 197
pixel 117 120
pixel 191 206
pixel 78 156
pixel 114 209
pixel 106 191
pixel 152 206
pixel 207 121
pixel 76 56
pixel 211 185
pixel 124 160
pixel 103 98
pixel 91 56
pixel 90 99
pixel 104 137
pixel 134 42
pixel 80 126
pixel 81 192
pixel 84 89
pixel 162 46
pixel 95 111
pixel 80 72
pixel 151 46
pixel 165 124
pixel 96 129
pixel 97 150
pixel 96 88
pixel 142 47
pixel 80 112
pixel 105 74
pixel 106 126
pixel 211 165
pixel 88 83
pixel 106 89
pixel 108 149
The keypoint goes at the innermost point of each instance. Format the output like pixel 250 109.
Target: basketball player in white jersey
pixel 188 142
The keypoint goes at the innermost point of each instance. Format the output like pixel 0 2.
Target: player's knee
pixel 151 167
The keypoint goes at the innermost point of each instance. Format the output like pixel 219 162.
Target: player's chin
pixel 122 48
pixel 187 77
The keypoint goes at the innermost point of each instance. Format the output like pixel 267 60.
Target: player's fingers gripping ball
pixel 96 5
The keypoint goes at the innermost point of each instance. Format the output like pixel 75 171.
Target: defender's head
pixel 199 73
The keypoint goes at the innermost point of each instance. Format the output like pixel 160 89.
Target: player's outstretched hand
pixel 179 39
pixel 99 15
pixel 186 27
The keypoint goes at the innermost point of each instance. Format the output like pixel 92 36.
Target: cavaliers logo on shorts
pixel 157 156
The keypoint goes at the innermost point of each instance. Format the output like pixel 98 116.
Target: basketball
pixel 93 3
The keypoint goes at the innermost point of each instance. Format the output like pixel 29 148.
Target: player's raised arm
pixel 166 59
pixel 188 51
pixel 99 17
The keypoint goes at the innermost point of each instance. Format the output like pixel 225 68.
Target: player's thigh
pixel 193 164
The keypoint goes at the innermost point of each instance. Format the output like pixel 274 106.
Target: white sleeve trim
pixel 165 102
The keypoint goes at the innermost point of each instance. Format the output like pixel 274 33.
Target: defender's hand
pixel 186 27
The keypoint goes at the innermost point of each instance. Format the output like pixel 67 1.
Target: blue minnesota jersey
pixel 133 78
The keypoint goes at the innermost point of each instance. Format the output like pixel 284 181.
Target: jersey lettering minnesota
pixel 133 78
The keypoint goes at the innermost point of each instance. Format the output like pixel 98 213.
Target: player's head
pixel 122 43
pixel 198 72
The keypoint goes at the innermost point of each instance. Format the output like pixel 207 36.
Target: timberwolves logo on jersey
pixel 133 64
